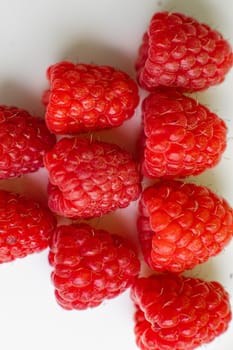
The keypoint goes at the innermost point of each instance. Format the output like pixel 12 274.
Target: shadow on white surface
pixel 14 94
pixel 93 51
pixel 33 185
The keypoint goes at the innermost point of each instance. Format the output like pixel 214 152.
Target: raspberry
pixel 86 97
pixel 26 226
pixel 179 313
pixel 90 178
pixel 178 51
pixel 24 139
pixel 181 225
pixel 182 136
pixel 90 265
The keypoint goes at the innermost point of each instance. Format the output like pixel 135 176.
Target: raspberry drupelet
pixel 182 137
pixel 26 226
pixel 24 140
pixel 178 51
pixel 181 225
pixel 179 313
pixel 90 178
pixel 90 265
pixel 85 97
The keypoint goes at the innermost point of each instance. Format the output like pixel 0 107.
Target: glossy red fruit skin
pixel 24 139
pixel 90 265
pixel 86 97
pixel 182 136
pixel 26 226
pixel 181 225
pixel 178 51
pixel 90 178
pixel 178 313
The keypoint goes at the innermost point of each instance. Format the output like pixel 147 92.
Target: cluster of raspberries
pixel 180 224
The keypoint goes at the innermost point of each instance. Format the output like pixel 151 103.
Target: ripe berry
pixel 26 226
pixel 182 137
pixel 24 140
pixel 90 265
pixel 178 51
pixel 178 313
pixel 84 97
pixel 90 178
pixel 181 225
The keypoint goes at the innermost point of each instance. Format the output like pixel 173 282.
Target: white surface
pixel 33 35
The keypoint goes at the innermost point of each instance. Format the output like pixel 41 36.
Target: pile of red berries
pixel 180 224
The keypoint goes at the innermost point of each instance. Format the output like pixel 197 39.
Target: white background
pixel 33 35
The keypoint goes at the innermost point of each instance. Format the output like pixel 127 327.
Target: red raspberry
pixel 182 136
pixel 86 97
pixel 90 178
pixel 26 226
pixel 24 139
pixel 179 313
pixel 181 225
pixel 90 266
pixel 178 51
